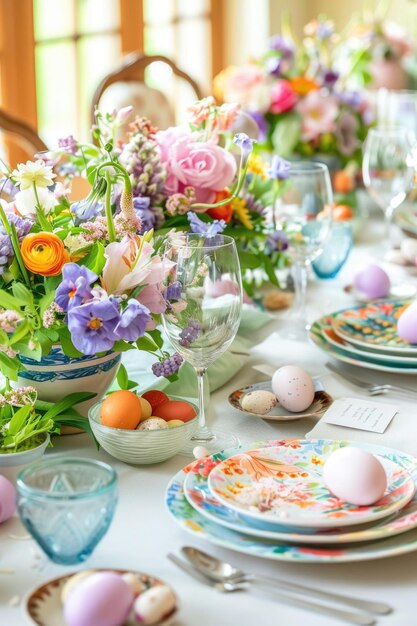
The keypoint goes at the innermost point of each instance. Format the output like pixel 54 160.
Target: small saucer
pixel 320 404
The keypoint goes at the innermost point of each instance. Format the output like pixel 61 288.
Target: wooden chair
pixel 150 102
pixel 23 134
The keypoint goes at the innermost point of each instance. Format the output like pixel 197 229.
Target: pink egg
pixel 102 599
pixel 7 499
pixel 407 324
pixel 373 282
pixel 355 476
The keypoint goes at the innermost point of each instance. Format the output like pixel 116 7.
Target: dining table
pixel 143 532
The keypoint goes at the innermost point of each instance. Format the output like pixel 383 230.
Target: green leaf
pixel 7 301
pixel 157 337
pixel 41 219
pixel 147 344
pixel 248 261
pixel 44 341
pixel 270 271
pixel 21 331
pixel 45 302
pixel 95 259
pixel 34 352
pixel 67 345
pixel 68 402
pixel 52 282
pixel 9 367
pixel 287 134
pixel 122 377
pixel 23 294
pixel 19 419
pixel 122 346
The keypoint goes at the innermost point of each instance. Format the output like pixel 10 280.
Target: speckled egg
pixel 154 604
pixel 407 324
pixel 293 387
pixel 373 282
pixel 259 402
pixel 153 423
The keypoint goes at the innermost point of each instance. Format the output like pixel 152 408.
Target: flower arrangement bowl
pixel 141 447
pixel 25 457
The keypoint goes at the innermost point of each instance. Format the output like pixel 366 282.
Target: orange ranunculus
pixel 44 253
pixel 222 212
pixel 303 85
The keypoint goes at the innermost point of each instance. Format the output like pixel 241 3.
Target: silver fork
pixel 372 389
pixel 348 616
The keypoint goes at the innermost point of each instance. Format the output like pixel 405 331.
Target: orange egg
pixel 175 410
pixel 121 409
pixel 342 212
pixel 155 397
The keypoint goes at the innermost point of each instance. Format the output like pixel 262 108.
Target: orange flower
pixel 303 85
pixel 44 253
pixel 221 212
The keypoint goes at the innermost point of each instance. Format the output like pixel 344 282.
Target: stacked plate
pixel 271 501
pixel 366 336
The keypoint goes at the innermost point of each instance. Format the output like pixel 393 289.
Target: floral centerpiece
pixel 300 100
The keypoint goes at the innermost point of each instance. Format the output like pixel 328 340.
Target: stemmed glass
pixel 304 213
pixel 204 291
pixel 388 168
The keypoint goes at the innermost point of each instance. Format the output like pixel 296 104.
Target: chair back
pixel 23 137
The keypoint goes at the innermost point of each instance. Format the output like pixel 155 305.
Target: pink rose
pixel 283 97
pixel 246 84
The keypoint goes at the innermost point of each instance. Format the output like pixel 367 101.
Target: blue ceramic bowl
pixel 67 505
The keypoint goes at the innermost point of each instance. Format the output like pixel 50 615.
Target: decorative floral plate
pixel 284 485
pixel 324 325
pixel 198 494
pixel 43 605
pixel 374 326
pixel 320 404
pixel 193 522
pixel 339 354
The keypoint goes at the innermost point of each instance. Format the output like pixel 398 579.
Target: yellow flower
pixel 240 210
pixel 33 173
pixel 258 166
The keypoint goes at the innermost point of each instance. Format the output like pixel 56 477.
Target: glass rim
pixel 26 490
pixel 230 241
pixel 390 129
pixel 308 167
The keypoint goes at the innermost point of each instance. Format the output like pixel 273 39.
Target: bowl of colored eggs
pixel 141 430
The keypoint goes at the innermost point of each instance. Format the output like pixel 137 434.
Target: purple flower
pixel 169 366
pixel 277 241
pixel 68 144
pixel 7 187
pixel 209 229
pixel 190 333
pixel 347 133
pixel 273 65
pixel 6 251
pixel 330 77
pixel 282 45
pixel 173 291
pixel 75 286
pixel 133 321
pixel 145 214
pixel 325 30
pixel 261 123
pixel 280 168
pixel 92 326
pixel 352 99
pixel 86 209
pixel 21 224
pixel 244 142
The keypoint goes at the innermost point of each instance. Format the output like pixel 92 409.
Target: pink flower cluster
pixel 9 320
pixel 50 315
pixel 19 396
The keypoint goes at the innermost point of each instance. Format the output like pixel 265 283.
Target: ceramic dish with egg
pixel 320 404
pixel 142 447
pixel 43 605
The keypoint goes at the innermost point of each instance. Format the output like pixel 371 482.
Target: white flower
pixel 25 201
pixel 74 243
pixel 33 172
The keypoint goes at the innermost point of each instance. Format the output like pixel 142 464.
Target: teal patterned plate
pixel 374 326
pixel 193 522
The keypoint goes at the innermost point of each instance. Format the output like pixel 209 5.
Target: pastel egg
pixel 102 599
pixel 408 249
pixel 175 409
pixel 174 423
pixel 154 604
pixel 121 409
pixel 153 423
pixel 155 397
pixel 355 476
pixel 7 499
pixel 259 401
pixel 407 324
pixel 373 282
pixel 146 408
pixel 134 582
pixel 73 581
pixel 293 387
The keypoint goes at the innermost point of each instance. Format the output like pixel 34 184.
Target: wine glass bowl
pixel 203 289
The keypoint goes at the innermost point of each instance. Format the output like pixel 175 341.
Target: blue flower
pixel 92 325
pixel 209 229
pixel 133 321
pixel 277 242
pixel 280 168
pixel 87 209
pixel 75 286
pixel 244 142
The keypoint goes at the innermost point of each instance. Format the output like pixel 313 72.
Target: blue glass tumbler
pixel 335 251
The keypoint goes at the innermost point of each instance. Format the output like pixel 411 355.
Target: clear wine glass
pixel 388 168
pixel 304 213
pixel 204 291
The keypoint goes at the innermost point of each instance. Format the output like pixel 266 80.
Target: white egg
pixel 293 387
pixel 396 256
pixel 154 604
pixel 134 582
pixel 408 249
pixel 355 476
pixel 259 402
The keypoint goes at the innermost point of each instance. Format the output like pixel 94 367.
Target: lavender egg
pixel 7 499
pixel 407 324
pixel 373 282
pixel 102 599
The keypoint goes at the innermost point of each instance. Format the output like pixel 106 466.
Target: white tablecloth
pixel 142 532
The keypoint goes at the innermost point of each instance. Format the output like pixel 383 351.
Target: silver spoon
pixel 224 572
pixel 226 587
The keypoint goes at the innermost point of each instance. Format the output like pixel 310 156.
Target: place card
pixel 360 414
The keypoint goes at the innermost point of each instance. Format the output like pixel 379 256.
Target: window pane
pixel 97 56
pixel 196 7
pixel 56 91
pixel 159 11
pixel 98 15
pixel 53 18
pixel 160 40
pixel 193 46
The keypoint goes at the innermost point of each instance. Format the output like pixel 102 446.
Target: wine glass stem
pixel 203 433
pixel 300 285
pixel 389 213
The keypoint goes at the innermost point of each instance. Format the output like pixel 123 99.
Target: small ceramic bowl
pixel 142 447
